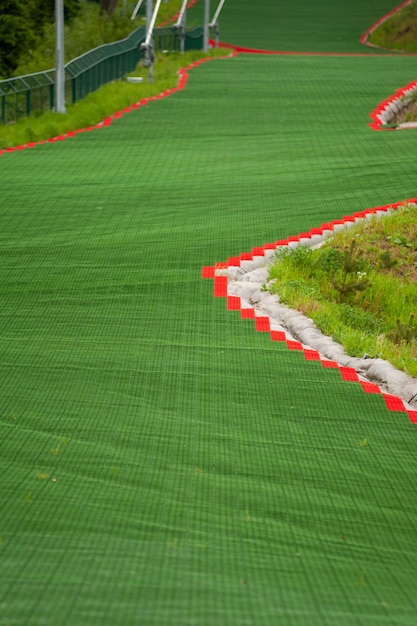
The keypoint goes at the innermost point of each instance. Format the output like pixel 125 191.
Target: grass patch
pixel 360 287
pixel 101 103
pixel 399 32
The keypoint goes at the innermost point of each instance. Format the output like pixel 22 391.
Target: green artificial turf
pixel 299 25
pixel 162 463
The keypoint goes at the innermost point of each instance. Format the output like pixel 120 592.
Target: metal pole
pixel 180 24
pixel 59 58
pixel 181 14
pixel 149 40
pixel 215 22
pixel 149 11
pixel 206 25
pixel 151 25
pixel 182 33
pixel 147 46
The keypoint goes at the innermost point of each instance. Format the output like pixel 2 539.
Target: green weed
pixel 405 331
pixel 352 277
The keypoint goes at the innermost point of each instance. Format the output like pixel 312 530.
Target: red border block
pixel 311 355
pixel 349 374
pixel 370 387
pixel 208 271
pixel 247 314
pixel 330 364
pixel 413 416
pixel 278 335
pixel 393 402
pixel 294 345
pixel 233 303
pixel 262 324
pixel 220 286
pixel 258 251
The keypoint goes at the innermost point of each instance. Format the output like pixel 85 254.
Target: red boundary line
pixel 183 78
pixel 242 49
pixel 262 322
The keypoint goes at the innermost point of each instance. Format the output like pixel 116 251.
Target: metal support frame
pixel 147 45
pixel 215 22
pixel 180 24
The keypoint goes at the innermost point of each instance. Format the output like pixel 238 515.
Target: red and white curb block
pixel 365 37
pixel 223 274
pixel 386 110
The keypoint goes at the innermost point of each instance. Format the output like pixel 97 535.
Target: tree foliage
pixel 15 34
pixel 21 28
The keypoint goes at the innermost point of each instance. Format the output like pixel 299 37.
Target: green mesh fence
pixel 161 462
pixel 23 94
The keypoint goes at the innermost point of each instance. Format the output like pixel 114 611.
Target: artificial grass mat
pixel 300 25
pixel 162 463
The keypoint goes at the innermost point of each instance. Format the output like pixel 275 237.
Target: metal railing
pixel 25 95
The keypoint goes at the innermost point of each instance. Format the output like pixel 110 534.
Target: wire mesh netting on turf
pixel 161 462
